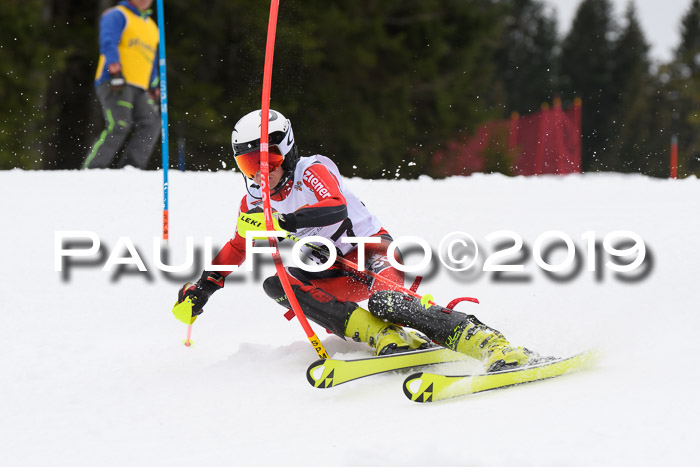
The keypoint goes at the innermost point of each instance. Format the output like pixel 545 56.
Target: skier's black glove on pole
pixel 200 291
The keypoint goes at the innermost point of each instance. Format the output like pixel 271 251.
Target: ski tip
pixel 590 357
pixel 414 390
pixel 583 360
pixel 311 371
pixel 318 375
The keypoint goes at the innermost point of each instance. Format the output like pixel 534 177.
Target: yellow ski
pixel 429 387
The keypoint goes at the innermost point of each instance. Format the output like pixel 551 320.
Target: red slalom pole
pixel 674 144
pixel 265 181
pixel 674 156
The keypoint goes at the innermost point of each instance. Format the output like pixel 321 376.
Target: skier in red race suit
pixel 310 198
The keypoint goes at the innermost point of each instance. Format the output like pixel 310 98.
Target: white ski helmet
pixel 245 140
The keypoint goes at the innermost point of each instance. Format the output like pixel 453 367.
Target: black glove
pixel 117 81
pixel 200 292
pixel 154 95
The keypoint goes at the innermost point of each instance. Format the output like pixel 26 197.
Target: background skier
pixel 127 83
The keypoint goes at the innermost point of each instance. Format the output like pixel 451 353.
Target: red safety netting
pixel 546 142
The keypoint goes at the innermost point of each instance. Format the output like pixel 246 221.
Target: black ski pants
pixel 129 113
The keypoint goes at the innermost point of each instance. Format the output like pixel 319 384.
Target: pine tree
pixel 381 85
pixel 376 85
pixel 631 120
pixel 25 55
pixel 662 108
pixel 685 85
pixel 587 64
pixel 689 48
pixel 526 57
pixel 70 94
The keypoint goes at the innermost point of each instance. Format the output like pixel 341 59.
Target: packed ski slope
pixel 94 371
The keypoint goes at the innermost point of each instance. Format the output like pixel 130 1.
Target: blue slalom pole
pixel 164 132
pixel 163 115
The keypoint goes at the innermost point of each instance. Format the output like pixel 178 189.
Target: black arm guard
pixel 313 217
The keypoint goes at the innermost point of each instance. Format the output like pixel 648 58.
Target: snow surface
pixel 95 373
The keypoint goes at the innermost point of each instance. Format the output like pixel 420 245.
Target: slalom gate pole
pixel 265 181
pixel 163 115
pixel 164 132
pixel 674 145
pixel 674 156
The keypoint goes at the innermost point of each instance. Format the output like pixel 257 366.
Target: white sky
pixel 660 20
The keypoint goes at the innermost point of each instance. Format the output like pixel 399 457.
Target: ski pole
pixel 188 341
pixel 183 313
pixel 163 117
pixel 164 131
pixel 425 300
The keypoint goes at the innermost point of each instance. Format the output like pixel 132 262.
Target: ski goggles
pixel 249 163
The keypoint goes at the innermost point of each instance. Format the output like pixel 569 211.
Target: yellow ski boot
pixel 386 338
pixel 457 331
pixel 488 345
pixel 347 319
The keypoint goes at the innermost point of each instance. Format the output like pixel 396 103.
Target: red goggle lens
pixel 249 163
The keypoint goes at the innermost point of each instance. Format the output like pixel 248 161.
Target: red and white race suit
pixel 317 194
